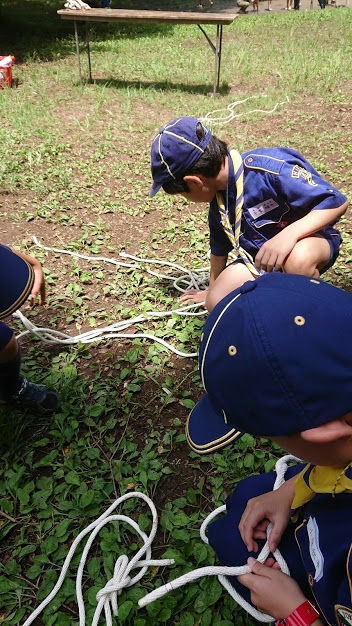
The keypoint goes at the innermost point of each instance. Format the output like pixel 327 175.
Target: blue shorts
pixel 334 240
pixel 5 335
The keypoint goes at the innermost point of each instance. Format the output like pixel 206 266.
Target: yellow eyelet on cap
pixel 299 320
pixel 232 350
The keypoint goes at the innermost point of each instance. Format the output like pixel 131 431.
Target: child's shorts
pixel 334 240
pixel 224 536
pixel 5 335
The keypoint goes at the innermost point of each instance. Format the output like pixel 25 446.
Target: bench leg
pixel 88 53
pixel 217 54
pixel 78 53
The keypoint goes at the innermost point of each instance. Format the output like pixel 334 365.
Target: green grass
pixel 75 172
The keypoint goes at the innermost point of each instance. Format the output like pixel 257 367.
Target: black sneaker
pixel 38 399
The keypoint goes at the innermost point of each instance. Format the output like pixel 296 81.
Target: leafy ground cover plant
pixel 75 173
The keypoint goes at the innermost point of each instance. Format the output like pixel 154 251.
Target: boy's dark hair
pixel 209 164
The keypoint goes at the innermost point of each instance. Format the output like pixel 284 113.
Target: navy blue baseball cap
pixel 275 359
pixel 175 149
pixel 16 281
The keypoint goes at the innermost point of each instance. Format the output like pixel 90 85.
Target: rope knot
pixel 113 588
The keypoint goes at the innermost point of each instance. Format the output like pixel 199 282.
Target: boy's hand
pixel 273 253
pixel 272 591
pixel 274 507
pixel 38 288
pixel 39 284
pixel 194 295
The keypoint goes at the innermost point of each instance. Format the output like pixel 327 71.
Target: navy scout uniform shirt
pixel 280 187
pixel 317 546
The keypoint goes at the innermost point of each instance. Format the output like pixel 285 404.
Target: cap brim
pixel 16 282
pixel 207 430
pixel 154 190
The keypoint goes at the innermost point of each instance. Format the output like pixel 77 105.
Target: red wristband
pixel 304 615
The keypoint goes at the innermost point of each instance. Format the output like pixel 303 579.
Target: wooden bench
pixel 151 17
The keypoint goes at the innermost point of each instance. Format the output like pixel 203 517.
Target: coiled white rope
pixel 221 571
pixel 49 336
pixel 190 279
pixel 220 119
pixel 107 597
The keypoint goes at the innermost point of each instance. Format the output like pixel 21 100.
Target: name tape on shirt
pixel 263 207
pixel 314 549
pixel 343 615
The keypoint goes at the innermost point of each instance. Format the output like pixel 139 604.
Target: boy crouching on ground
pixel 276 361
pixel 268 205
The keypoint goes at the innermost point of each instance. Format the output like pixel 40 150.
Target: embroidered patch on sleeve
pixel 300 172
pixel 343 615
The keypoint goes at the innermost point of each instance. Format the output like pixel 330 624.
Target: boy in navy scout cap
pixel 21 277
pixel 276 361
pixel 269 206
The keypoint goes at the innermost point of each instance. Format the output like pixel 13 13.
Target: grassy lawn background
pixel 75 173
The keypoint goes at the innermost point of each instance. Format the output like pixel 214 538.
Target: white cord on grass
pixel 197 280
pixel 223 572
pixel 107 597
pixel 219 119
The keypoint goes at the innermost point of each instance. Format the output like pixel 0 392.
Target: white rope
pixel 49 336
pixel 107 597
pixel 82 256
pixel 223 572
pixel 219 119
pixel 191 279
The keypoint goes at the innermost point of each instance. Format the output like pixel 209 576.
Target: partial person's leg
pixel 15 389
pixel 233 276
pixel 309 256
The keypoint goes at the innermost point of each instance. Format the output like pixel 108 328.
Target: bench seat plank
pixel 153 17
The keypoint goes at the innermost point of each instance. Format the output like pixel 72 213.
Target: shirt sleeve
pixel 303 188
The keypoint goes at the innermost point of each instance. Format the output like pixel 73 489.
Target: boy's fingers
pixel 257 567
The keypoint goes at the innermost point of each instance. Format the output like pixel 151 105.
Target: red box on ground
pixel 6 71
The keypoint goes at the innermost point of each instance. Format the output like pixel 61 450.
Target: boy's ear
pixel 332 431
pixel 195 180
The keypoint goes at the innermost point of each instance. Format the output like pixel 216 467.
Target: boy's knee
pixel 9 351
pixel 308 256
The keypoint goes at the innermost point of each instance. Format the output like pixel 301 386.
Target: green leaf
pixel 125 610
pixel 94 567
pixel 72 478
pixel 181 519
pixel 186 619
pixel 62 528
pixel 86 498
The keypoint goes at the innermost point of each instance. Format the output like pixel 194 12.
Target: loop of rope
pixel 214 119
pixel 197 279
pixel 107 597
pixel 222 572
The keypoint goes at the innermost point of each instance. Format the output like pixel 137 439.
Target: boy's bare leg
pixel 231 278
pixel 308 256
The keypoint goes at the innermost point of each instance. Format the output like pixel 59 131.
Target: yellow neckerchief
pixel 315 479
pixel 234 233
